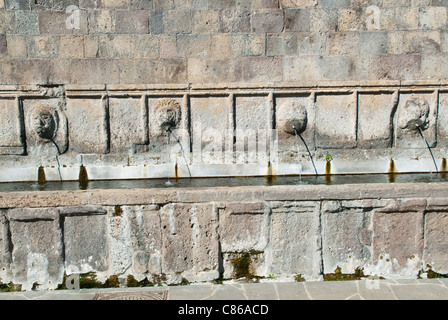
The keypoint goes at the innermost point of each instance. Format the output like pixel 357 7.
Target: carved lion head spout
pixel 415 114
pixel 44 121
pixel 168 115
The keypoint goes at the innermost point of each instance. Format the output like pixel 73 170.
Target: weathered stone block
pixel 45 126
pixel 87 125
pixel 436 245
pixel 190 241
pixel 85 244
pixel 259 69
pixel 336 120
pixel 41 5
pixel 283 44
pixel 297 3
pixel 248 44
pixel 413 112
pixel 100 21
pixel 64 4
pixel 132 21
pixel 16 4
pixel 38 71
pixel 344 43
pixel 297 20
pixel 198 46
pixel 94 71
pixel 168 48
pixel 177 21
pixel 304 69
pixel 253 124
pixel 344 244
pixel 137 71
pixel 373 42
pixel 10 128
pixel 7 22
pixel 71 47
pixel 42 47
pixel 156 21
pixel 16 46
pixel 442 119
pixel 270 21
pixel 146 238
pixel 205 21
pixel 60 22
pixel 116 3
pixel 37 253
pixel 432 17
pixel 396 66
pixel 27 23
pixel 141 4
pixel 294 245
pixel 397 245
pixel 380 106
pixel 212 70
pixel 128 124
pixel 323 19
pixel 5 248
pixel 210 126
pixel 234 20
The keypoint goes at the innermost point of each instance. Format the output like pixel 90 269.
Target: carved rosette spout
pixel 415 114
pixel 168 115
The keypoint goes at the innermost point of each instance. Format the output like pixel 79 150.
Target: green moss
pixel 338 275
pixel 241 263
pixel 299 278
pixel 9 287
pixel 431 274
pixel 131 282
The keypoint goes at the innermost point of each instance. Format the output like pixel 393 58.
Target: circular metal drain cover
pixel 152 295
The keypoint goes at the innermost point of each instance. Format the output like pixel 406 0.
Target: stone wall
pixel 169 236
pixel 202 41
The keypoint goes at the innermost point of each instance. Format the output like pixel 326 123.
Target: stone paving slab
pixel 424 289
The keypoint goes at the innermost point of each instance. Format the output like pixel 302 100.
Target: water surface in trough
pixel 224 182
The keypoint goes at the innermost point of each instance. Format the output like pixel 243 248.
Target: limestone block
pixel 27 23
pixel 211 70
pixel 10 127
pixel 132 21
pixel 282 44
pixel 295 240
pixel 205 21
pixel 397 243
pixel 259 69
pixel 197 45
pixel 5 248
pixel 248 44
pixel 336 120
pixel 395 66
pixel 100 21
pixel 432 17
pixel 244 234
pixel 211 129
pixel 87 125
pixel 85 244
pixel 344 43
pixel 297 20
pixel 382 107
pixel 442 119
pixel 41 5
pixel 269 21
pixel 116 3
pixel 253 124
pixel 2 4
pixel 416 111
pixel 234 20
pixel 45 126
pixel 60 22
pixel 177 21
pixel 190 241
pixel 7 22
pixel 146 239
pixel 345 240
pixel 156 22
pixel 138 71
pixel 303 69
pixel 436 245
pixel 128 125
pixel 351 19
pixel 297 3
pixel 94 71
pixel 71 47
pixel 41 47
pixel 37 255
pixel 168 47
pixel 16 4
pixel 373 42
pixel 141 4
pixel 323 19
